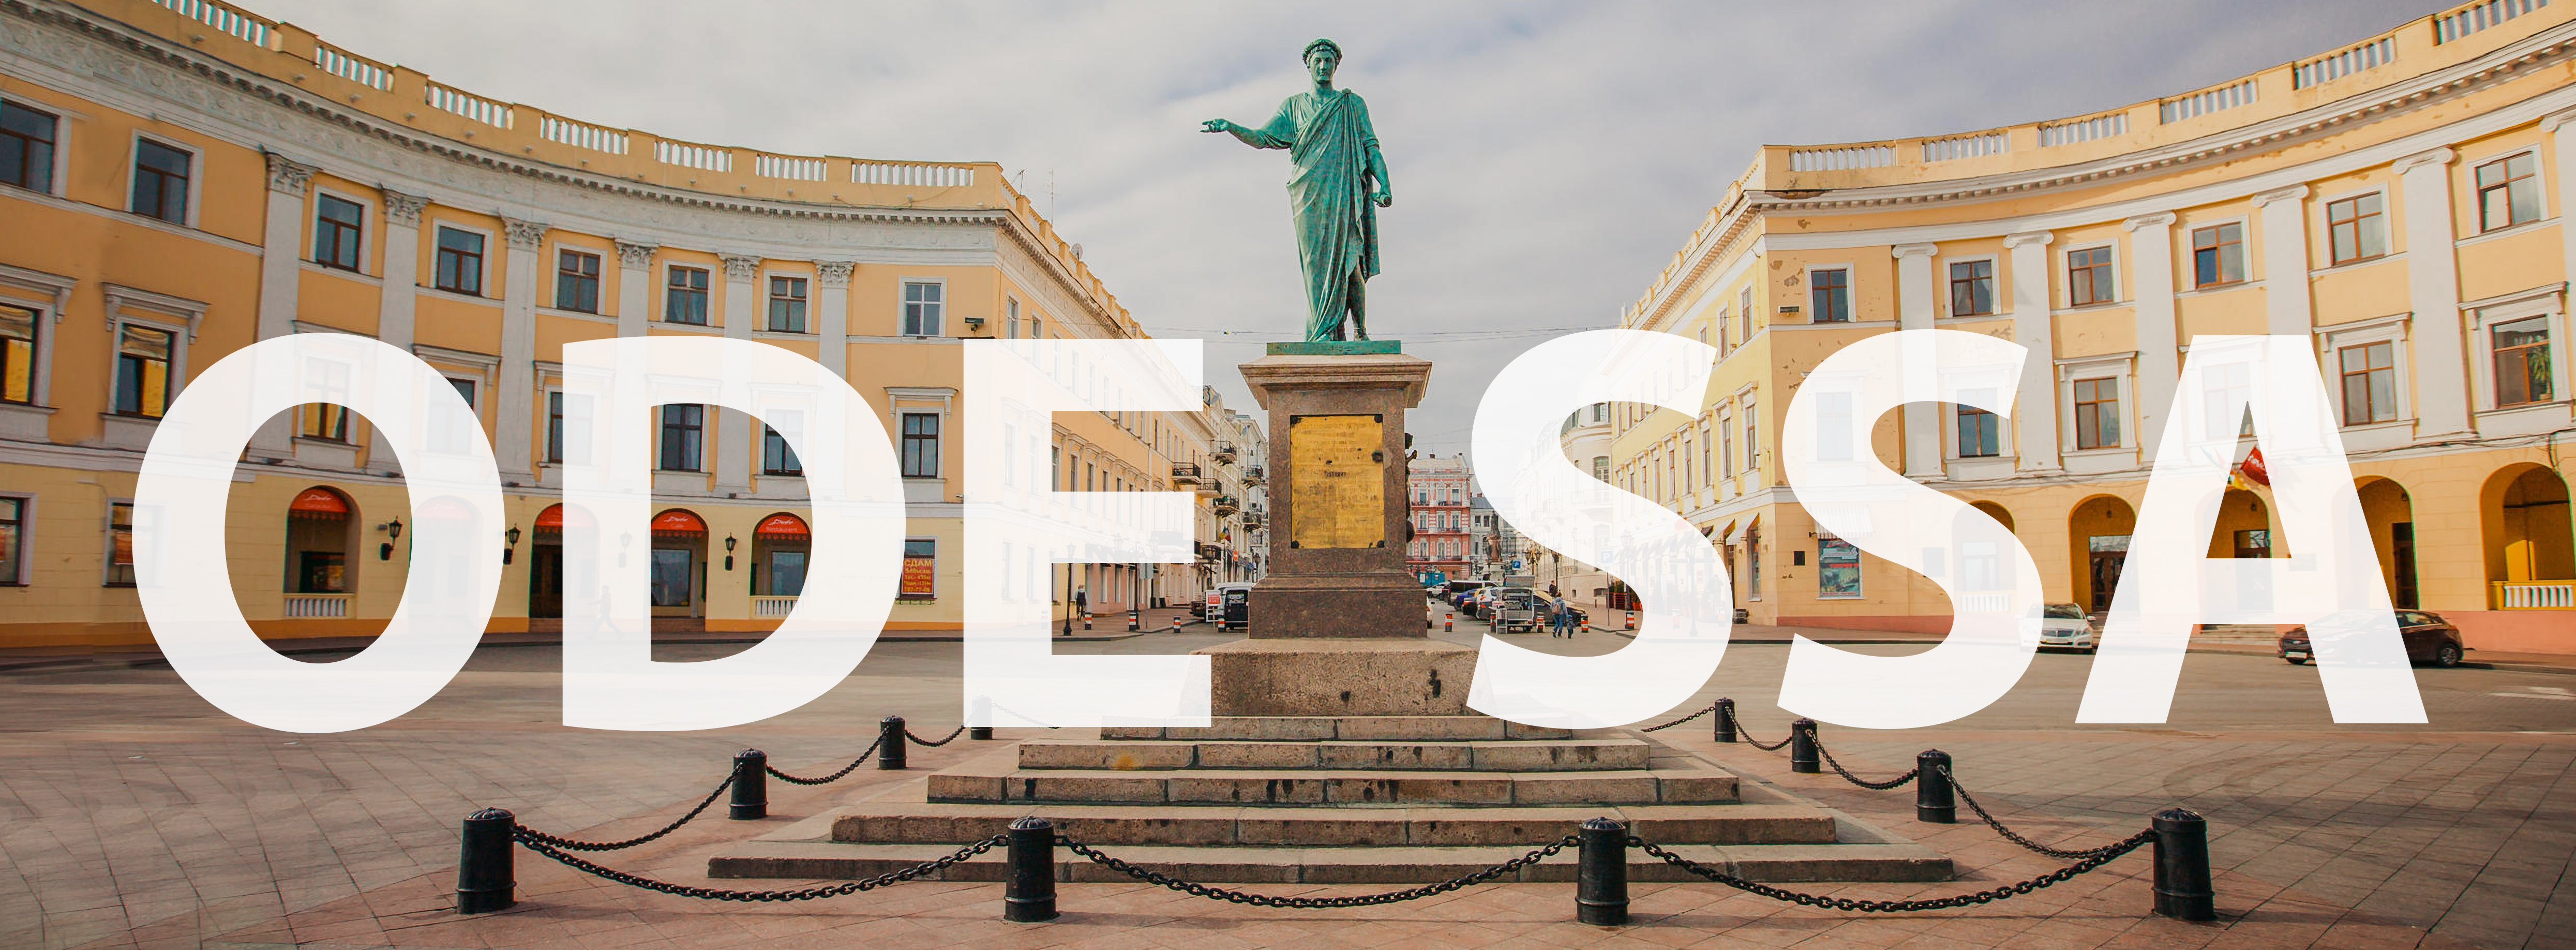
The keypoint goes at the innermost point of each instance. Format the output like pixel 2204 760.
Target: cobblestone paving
pixel 134 814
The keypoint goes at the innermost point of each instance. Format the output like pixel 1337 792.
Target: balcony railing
pixel 2535 595
pixel 316 606
pixel 1224 454
pixel 1225 505
pixel 1254 476
pixel 1185 473
pixel 772 607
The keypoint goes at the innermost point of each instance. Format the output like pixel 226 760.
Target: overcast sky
pixel 1547 158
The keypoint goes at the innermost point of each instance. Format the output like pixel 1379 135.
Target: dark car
pixel 2428 637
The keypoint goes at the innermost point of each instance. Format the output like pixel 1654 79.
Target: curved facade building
pixel 2397 202
pixel 182 179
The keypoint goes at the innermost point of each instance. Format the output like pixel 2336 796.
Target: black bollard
pixel 1932 799
pixel 1029 896
pixel 1802 747
pixel 750 785
pixel 1601 873
pixel 1725 727
pixel 2182 866
pixel 983 711
pixel 484 879
pixel 890 742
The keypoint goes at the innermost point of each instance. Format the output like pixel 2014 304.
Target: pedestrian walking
pixel 1562 618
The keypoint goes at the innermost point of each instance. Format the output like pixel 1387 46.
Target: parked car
pixel 2428 638
pixel 2064 627
pixel 1236 604
pixel 1515 609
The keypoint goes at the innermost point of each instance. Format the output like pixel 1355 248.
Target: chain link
pixel 2059 876
pixel 1312 903
pixel 2017 839
pixel 1712 707
pixel 525 833
pixel 1910 774
pixel 532 842
pixel 925 743
pixel 834 777
pixel 1757 743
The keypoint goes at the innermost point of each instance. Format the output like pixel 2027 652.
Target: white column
pixel 2285 261
pixel 518 379
pixel 2433 293
pixel 741 316
pixel 634 287
pixel 400 238
pixel 280 271
pixel 2151 292
pixel 832 314
pixel 2035 407
pixel 1914 301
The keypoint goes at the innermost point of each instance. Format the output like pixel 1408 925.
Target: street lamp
pixel 393 533
pixel 729 542
pixel 512 536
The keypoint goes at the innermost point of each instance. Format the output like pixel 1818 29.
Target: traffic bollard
pixel 1632 620
pixel 1933 801
pixel 983 711
pixel 1725 728
pixel 890 742
pixel 1802 747
pixel 1135 623
pixel 1086 621
pixel 1601 873
pixel 750 785
pixel 485 881
pixel 2182 866
pixel 1176 625
pixel 1029 896
pixel 1450 624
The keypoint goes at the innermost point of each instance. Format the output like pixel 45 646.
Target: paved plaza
pixel 137 815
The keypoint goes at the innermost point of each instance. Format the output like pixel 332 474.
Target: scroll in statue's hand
pixel 1214 125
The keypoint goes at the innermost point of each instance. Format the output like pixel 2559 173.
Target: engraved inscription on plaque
pixel 1337 481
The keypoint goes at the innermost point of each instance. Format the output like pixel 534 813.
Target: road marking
pixel 2559 693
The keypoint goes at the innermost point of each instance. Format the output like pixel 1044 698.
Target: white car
pixel 2064 627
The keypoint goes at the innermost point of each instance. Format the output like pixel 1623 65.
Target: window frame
pixel 1994 303
pixel 195 176
pixel 22 548
pixel 691 433
pixel 804 300
pixel 2344 374
pixel 2539 197
pixel 769 435
pixel 358 252
pixel 903 304
pixel 116 369
pixel 1845 270
pixel 2495 356
pixel 1993 425
pixel 2392 329
pixel 705 292
pixel 2121 370
pixel 39 336
pixel 107 576
pixel 482 260
pixel 905 438
pixel 598 278
pixel 2244 254
pixel 2484 319
pixel 2110 271
pixel 2333 257
pixel 55 148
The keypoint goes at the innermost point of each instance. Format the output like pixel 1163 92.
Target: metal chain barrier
pixel 1862 782
pixel 925 743
pixel 1313 903
pixel 1712 707
pixel 532 841
pixel 537 838
pixel 1758 744
pixel 2008 834
pixel 2061 875
pixel 834 777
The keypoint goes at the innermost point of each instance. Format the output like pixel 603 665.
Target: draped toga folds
pixel 1329 139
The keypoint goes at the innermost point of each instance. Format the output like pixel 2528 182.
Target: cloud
pixel 1548 158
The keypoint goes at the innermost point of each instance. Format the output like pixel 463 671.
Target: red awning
pixel 678 522
pixel 781 525
pixel 318 503
pixel 551 520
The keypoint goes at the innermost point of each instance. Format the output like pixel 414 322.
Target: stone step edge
pixel 1495 755
pixel 1350 728
pixel 1328 788
pixel 1326 827
pixel 1775 863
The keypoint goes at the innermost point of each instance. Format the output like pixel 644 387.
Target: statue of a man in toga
pixel 1339 184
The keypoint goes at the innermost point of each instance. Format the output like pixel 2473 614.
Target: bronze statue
pixel 1339 184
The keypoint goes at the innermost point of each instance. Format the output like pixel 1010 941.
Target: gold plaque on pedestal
pixel 1337 481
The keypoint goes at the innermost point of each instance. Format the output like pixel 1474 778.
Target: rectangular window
pixel 2508 191
pixel 1725 446
pixel 2218 255
pixel 161 181
pixel 1829 291
pixel 787 304
pixel 326 420
pixel 555 426
pixel 1837 569
pixel 2369 383
pixel 13 534
pixel 447 436
pixel 576 281
pixel 460 262
pixel 2357 227
pixel 776 456
pixel 2097 413
pixel 1972 288
pixel 337 222
pixel 921 445
pixel 2522 362
pixel 920 569
pixel 143 371
pixel 921 306
pixel 1752 437
pixel 1744 310
pixel 1011 320
pixel 1977 429
pixel 684 428
pixel 2088 277
pixel 18 329
pixel 27 140
pixel 684 296
pixel 120 544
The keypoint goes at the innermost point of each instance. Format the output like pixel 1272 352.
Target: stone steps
pixel 1106 825
pixel 987 784
pixel 1341 728
pixel 1530 755
pixel 1779 863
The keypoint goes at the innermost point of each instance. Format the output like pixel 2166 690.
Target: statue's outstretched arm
pixel 1281 131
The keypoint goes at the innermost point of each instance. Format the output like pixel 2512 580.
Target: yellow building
pixel 180 179
pixel 2397 201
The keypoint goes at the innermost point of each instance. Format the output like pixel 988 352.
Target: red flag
pixel 2254 469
